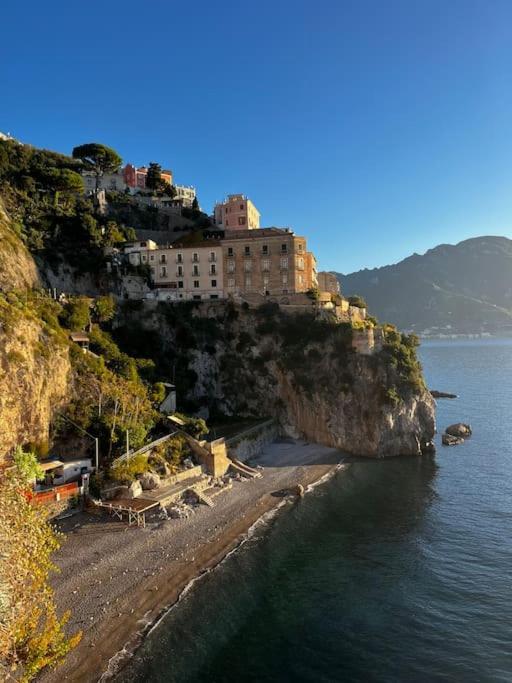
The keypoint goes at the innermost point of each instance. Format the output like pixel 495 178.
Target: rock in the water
pixel 459 429
pixel 299 490
pixel 149 481
pixel 442 394
pixel 449 440
pixel 134 490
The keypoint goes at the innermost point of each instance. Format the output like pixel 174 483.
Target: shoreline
pixel 141 598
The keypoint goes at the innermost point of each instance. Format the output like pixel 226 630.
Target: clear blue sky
pixel 375 128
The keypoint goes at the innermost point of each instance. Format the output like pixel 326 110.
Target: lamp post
pixel 96 441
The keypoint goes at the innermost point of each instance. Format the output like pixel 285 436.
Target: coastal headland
pixel 118 580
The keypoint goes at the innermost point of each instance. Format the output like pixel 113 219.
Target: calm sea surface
pixel 397 570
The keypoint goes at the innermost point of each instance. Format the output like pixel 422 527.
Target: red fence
pixel 55 494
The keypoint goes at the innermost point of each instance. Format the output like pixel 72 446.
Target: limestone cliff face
pixel 34 374
pixel 359 420
pixel 17 267
pixel 34 365
pixel 238 364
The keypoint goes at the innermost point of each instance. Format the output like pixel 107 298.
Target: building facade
pixel 188 273
pixel 268 261
pixel 185 195
pixel 110 182
pixel 328 282
pixel 135 178
pixel 237 212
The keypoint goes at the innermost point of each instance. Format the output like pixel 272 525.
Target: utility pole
pixel 96 440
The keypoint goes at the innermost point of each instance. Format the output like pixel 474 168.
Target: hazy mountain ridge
pixel 467 286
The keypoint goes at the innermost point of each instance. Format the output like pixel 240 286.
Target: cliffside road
pixel 116 579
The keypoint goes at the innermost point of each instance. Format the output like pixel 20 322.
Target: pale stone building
pixel 236 212
pixel 189 272
pixel 185 195
pixel 110 182
pixel 328 282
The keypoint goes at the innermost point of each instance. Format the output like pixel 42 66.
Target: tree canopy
pixel 98 158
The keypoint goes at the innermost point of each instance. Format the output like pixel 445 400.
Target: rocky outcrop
pixel 246 363
pixel 449 440
pixel 34 371
pixel 17 267
pixel 359 420
pixel 459 429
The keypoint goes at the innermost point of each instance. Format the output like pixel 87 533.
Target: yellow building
pixel 237 212
pixel 270 261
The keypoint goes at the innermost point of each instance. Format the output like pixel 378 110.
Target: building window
pixel 231 266
pixel 248 281
pixel 180 271
pixel 300 263
pixel 195 257
pixel 214 296
pixel 213 270
pixel 152 257
pixel 231 281
pixel 212 256
pixel 248 266
pixel 227 222
pixel 179 258
pixel 300 246
pixel 196 270
pixel 284 248
pixel 197 297
pixel 180 284
pixel 152 270
pixel 265 264
pixel 264 249
pixel 196 284
pixel 266 280
pixel 241 220
pixel 284 278
pixel 144 257
pixel 230 251
pixel 301 279
pixel 214 283
pixel 163 258
pixel 163 271
pixel 241 207
pixel 227 209
pixel 247 251
pixel 284 263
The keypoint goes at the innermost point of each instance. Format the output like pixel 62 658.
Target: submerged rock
pixel 459 429
pixel 449 440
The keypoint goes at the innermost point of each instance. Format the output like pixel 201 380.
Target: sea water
pixel 393 571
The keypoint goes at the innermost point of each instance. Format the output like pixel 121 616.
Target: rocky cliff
pixel 34 372
pixel 261 362
pixel 34 362
pixel 17 267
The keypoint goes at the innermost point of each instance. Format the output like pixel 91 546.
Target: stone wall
pixel 252 441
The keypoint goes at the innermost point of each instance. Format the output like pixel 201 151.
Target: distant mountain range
pixel 463 288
